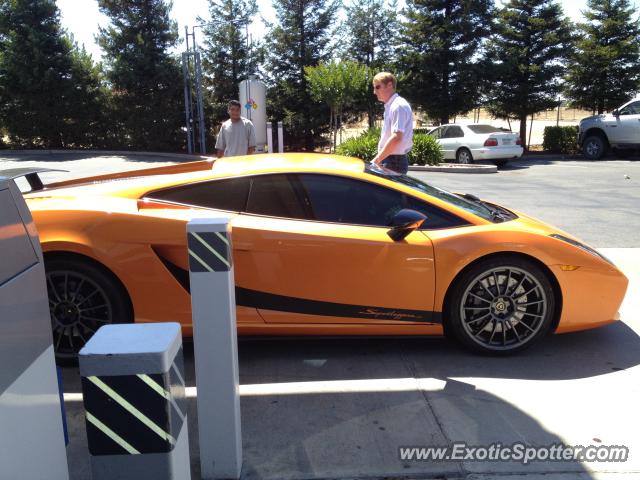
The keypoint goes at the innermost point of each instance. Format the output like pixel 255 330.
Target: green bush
pixel 560 139
pixel 364 146
pixel 425 151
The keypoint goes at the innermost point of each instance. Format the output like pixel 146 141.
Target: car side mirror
pixel 404 222
pixel 616 113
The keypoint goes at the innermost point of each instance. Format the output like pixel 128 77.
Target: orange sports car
pixel 322 245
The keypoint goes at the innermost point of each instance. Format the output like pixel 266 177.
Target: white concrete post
pixel 216 347
pixel 134 401
pixel 270 137
pixel 280 138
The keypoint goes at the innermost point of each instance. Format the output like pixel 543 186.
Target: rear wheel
pixel 82 298
pixel 464 156
pixel 501 306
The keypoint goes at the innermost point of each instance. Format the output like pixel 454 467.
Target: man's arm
pixel 387 148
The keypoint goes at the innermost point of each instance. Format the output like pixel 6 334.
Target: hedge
pixel 560 139
pixel 425 151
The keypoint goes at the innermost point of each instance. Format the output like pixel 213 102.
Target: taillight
pixel 491 142
pixel 518 141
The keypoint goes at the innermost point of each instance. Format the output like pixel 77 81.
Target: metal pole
pixel 187 102
pixel 200 106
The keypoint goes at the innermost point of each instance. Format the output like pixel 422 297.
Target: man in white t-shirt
pixel 237 135
pixel 396 137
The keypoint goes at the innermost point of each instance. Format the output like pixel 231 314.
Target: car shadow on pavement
pixel 578 355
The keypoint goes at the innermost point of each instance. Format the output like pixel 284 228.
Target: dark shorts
pixel 397 163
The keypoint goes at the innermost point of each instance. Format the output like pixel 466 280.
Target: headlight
pixel 581 246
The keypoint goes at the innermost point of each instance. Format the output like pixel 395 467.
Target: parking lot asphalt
pixel 342 408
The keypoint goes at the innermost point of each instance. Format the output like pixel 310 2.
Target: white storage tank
pixel 253 98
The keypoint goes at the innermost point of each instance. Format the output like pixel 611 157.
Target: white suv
pixel 619 130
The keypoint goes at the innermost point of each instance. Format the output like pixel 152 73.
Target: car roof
pixel 282 162
pixel 135 183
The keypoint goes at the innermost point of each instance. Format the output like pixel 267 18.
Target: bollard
pixel 280 138
pixel 216 347
pixel 134 400
pixel 269 137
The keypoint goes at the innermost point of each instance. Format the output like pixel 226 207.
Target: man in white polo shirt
pixel 396 137
pixel 237 135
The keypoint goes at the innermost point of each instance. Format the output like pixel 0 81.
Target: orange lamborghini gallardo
pixel 322 245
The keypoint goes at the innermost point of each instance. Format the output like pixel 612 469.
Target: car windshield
pixel 470 206
pixel 483 129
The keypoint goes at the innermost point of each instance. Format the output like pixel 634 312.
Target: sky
pixel 82 18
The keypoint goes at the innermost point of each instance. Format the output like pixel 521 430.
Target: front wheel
pixel 593 147
pixel 501 306
pixel 82 298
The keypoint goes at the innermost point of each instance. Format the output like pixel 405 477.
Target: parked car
pixel 618 130
pixel 322 245
pixel 469 143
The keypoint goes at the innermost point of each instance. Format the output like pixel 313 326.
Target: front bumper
pixel 590 297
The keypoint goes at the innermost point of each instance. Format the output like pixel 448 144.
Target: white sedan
pixel 468 143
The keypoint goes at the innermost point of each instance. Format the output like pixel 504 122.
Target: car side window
pixel 277 195
pixel 344 200
pixel 631 109
pixel 229 194
pixel 454 132
pixel 437 133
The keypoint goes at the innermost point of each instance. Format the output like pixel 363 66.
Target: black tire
pixel 82 297
pixel 463 155
pixel 594 147
pixel 500 306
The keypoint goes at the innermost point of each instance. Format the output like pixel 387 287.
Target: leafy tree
pixel 336 84
pixel 50 92
pixel 299 38
pixel 226 59
pixel 531 41
pixel 604 68
pixel 146 79
pixel 441 42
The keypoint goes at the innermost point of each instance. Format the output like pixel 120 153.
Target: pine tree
pixel 527 51
pixel 50 92
pixel 441 42
pixel 604 68
pixel 371 30
pixel 299 38
pixel 226 59
pixel 146 79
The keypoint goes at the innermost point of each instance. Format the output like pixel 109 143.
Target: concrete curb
pixel 455 168
pixel 184 156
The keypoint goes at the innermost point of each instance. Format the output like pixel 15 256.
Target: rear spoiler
pixel 31 174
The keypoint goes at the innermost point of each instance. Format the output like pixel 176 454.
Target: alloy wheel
pixel 503 308
pixel 78 306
